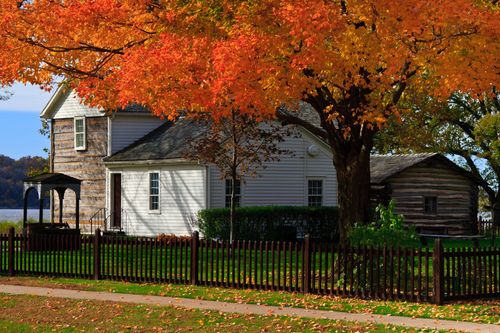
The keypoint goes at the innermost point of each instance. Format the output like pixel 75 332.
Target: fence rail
pixel 421 275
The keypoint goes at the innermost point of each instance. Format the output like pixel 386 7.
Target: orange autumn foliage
pixel 209 55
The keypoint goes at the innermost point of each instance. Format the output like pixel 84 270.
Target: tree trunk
pixel 495 214
pixel 353 177
pixel 232 213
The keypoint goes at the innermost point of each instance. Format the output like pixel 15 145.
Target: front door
pixel 116 219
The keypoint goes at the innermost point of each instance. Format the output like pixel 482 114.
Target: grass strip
pixel 23 313
pixel 483 311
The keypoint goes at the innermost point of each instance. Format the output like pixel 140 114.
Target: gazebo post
pixel 77 212
pixel 60 193
pixel 40 209
pixel 25 208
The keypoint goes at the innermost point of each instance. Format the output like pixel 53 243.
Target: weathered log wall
pixel 456 198
pixel 85 165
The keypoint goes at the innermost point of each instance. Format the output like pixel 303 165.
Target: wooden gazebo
pixel 42 184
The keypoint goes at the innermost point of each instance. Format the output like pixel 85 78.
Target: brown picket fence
pixel 421 275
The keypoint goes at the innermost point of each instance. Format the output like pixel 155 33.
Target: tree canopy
pixel 352 61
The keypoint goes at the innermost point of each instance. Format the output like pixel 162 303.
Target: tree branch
pixel 289 119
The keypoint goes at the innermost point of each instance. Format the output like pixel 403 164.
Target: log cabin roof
pixel 383 167
pixel 169 141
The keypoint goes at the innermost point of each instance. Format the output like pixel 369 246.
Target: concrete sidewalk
pixel 251 308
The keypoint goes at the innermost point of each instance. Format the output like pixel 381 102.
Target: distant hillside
pixel 12 173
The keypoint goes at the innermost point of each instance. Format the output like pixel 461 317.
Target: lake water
pixel 17 214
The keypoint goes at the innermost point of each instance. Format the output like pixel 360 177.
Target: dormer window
pixel 80 133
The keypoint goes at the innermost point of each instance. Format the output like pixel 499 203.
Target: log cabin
pixel 430 191
pixel 136 180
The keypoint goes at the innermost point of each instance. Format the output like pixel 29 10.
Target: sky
pixel 20 122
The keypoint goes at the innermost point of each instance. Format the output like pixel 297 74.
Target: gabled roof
pixel 48 109
pixel 63 90
pixel 169 141
pixel 383 167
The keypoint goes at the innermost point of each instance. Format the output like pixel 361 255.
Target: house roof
pixel 169 141
pixel 63 90
pixel 173 139
pixel 383 167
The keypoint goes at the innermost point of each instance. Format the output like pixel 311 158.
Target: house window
pixel 237 192
pixel 154 191
pixel 80 133
pixel 430 205
pixel 315 192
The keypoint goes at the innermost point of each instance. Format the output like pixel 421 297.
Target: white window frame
pixel 84 132
pixel 158 210
pixel 322 191
pixel 240 195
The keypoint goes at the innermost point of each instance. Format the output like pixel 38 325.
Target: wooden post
pixel 11 252
pixel 97 254
pixel 25 209
pixel 77 222
pixel 195 239
pixel 40 209
pixel 60 194
pixel 438 272
pixel 307 264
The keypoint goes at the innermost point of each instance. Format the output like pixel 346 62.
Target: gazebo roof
pixel 52 181
pixel 52 178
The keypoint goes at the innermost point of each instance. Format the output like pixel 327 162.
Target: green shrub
pixel 271 222
pixel 388 229
pixel 6 225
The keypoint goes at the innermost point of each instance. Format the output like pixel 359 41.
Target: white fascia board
pixel 47 110
pixel 314 138
pixel 168 162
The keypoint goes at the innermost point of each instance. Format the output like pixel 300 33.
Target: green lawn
pixel 478 311
pixel 42 314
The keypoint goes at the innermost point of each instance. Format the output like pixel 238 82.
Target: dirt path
pixel 251 308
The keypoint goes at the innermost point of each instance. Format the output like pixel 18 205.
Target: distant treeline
pixel 12 173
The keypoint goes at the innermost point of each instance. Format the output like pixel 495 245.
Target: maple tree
pixel 238 146
pixel 351 60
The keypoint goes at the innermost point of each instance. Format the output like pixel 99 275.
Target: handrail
pixel 98 217
pixel 101 218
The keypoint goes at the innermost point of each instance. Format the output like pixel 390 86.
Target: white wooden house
pixel 134 175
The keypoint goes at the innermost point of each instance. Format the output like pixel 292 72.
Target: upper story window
pixel 315 192
pixel 154 191
pixel 80 133
pixel 237 192
pixel 430 205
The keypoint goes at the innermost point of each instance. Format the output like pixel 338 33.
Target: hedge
pixel 271 223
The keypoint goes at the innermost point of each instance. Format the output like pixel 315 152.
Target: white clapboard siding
pixel 126 129
pixel 182 195
pixel 69 106
pixel 283 182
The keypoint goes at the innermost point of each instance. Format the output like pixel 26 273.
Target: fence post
pixel 195 240
pixel 97 254
pixel 438 272
pixel 11 251
pixel 307 264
